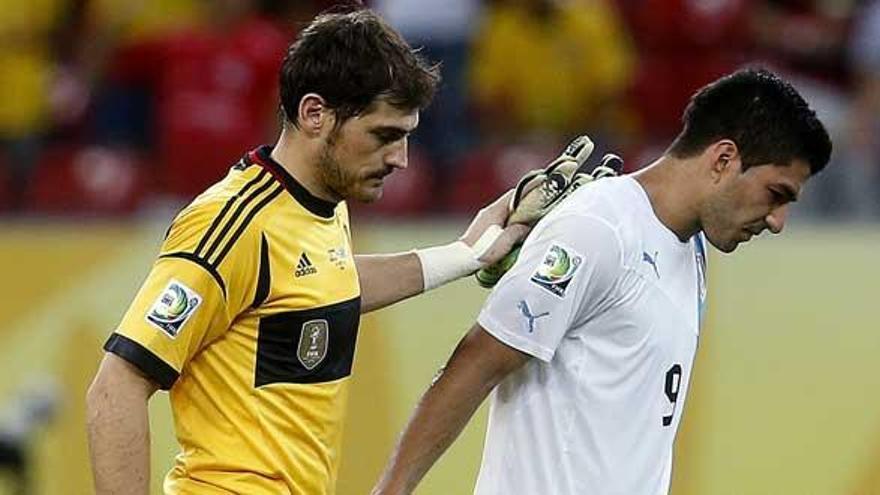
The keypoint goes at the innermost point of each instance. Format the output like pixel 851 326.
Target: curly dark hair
pixel 350 59
pixel 763 114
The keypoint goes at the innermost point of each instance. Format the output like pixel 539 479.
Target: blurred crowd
pixel 110 106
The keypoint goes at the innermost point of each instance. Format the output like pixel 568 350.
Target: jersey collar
pixel 262 156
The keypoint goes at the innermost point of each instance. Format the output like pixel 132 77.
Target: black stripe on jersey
pixel 235 215
pixel 250 216
pixel 247 219
pixel 283 352
pixel 202 263
pixel 150 364
pixel 226 208
pixel 265 277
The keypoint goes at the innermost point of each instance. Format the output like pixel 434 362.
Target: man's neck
pixel 300 158
pixel 674 194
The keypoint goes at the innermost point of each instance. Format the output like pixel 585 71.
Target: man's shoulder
pixel 601 199
pixel 226 211
pixel 616 202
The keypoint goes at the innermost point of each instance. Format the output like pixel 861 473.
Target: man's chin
pixel 369 194
pixel 730 248
pixel 726 246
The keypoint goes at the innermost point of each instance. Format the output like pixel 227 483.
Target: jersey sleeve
pixel 203 278
pixel 566 269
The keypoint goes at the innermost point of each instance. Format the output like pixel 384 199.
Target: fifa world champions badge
pixel 313 343
pixel 557 268
pixel 173 308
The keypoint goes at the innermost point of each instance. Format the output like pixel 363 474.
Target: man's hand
pixel 487 240
pixel 489 233
pixel 539 191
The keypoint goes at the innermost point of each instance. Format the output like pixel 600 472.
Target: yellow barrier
pixel 783 398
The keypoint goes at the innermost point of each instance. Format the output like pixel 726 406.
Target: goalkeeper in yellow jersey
pixel 249 316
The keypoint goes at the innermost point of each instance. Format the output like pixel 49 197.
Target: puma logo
pixel 651 261
pixel 527 312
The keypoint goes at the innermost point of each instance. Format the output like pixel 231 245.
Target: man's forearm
pixel 119 442
pixel 439 418
pixel 388 278
pixel 119 437
pixel 477 365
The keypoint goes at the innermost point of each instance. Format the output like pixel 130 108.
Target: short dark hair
pixel 764 115
pixel 350 58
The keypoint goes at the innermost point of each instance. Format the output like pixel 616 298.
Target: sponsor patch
pixel 173 308
pixel 313 341
pixel 557 269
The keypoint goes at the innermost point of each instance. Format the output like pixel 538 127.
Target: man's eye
pixel 388 137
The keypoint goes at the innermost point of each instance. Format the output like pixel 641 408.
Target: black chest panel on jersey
pixel 308 346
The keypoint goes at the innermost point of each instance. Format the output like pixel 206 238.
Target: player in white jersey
pixel 608 301
pixel 587 344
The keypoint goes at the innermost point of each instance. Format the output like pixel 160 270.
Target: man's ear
pixel 724 158
pixel 313 115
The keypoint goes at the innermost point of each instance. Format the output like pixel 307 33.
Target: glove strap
pixel 443 264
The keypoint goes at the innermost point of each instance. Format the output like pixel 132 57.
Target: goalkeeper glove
pixel 539 191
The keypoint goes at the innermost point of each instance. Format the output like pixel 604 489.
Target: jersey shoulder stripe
pixel 275 191
pixel 226 207
pixel 206 230
pixel 202 263
pixel 265 183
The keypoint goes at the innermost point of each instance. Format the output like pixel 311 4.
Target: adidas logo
pixel 304 267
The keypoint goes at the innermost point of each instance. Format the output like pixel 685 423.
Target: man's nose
pixel 776 219
pixel 397 155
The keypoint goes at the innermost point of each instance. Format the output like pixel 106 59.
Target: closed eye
pixel 778 197
pixel 388 135
pixel 783 195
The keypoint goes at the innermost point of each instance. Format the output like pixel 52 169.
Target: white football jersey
pixel 609 301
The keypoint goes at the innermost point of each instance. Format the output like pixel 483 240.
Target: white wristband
pixel 443 264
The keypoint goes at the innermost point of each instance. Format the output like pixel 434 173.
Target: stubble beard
pixel 716 223
pixel 331 172
pixel 339 181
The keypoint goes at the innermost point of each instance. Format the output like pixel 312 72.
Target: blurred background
pixel 114 113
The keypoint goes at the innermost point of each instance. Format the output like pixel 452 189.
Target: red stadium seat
pixel 486 173
pixel 5 191
pixel 86 180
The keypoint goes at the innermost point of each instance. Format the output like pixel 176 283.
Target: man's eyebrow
pixel 397 128
pixel 391 131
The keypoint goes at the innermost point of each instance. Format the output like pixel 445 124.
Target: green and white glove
pixel 539 191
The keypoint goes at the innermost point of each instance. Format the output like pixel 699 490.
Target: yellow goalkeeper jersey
pixel 249 318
